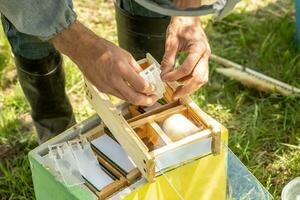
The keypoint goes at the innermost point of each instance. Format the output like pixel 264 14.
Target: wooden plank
pixel 149 136
pixel 168 95
pixel 189 139
pixel 158 116
pixel 154 111
pixel 94 133
pixel 121 130
pixel 161 133
pixel 112 188
pixel 133 110
pixel 133 175
pixel 153 137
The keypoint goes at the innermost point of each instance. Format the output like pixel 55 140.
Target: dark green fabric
pixel 42 79
pixel 140 31
pixel 43 83
pixel 136 9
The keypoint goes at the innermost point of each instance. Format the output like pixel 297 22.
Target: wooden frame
pixel 97 132
pixel 123 130
pixel 122 180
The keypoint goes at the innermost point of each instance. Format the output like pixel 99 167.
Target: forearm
pixel 111 69
pixel 77 42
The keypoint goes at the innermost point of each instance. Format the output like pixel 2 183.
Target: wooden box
pixel 139 130
pixel 121 179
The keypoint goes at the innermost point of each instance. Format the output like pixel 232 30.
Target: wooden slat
pixel 121 130
pixel 154 111
pixel 133 110
pixel 158 116
pixel 168 95
pixel 161 133
pixel 133 175
pixel 94 133
pixel 189 139
pixel 112 188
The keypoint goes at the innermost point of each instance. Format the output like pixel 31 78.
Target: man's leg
pixel 42 78
pixel 140 30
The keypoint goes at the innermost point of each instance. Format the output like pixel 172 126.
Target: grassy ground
pixel 264 128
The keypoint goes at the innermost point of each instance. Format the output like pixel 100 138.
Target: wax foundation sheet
pixel 114 152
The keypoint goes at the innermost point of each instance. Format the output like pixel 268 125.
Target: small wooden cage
pixel 139 130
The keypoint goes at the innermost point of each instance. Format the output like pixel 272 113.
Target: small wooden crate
pixel 162 153
pixel 121 180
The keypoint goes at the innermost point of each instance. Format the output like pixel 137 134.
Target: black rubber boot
pixel 43 83
pixel 141 34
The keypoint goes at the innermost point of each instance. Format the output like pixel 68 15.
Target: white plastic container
pixel 292 190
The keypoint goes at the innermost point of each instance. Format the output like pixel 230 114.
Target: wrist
pixel 185 20
pixel 79 44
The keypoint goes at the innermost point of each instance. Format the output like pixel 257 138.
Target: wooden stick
pixel 121 130
pixel 177 109
pixel 160 132
pixel 154 111
pixel 281 87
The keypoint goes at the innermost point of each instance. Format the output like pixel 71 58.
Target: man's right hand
pixel 111 69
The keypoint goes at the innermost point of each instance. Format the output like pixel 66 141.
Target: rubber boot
pixel 43 83
pixel 141 34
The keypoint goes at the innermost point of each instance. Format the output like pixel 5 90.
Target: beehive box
pixel 201 169
pixel 203 179
pixel 140 132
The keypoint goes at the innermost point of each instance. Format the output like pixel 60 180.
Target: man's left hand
pixel 186 34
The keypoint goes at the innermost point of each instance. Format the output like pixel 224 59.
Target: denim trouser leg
pixel 42 78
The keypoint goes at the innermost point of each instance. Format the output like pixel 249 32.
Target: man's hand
pixel 111 69
pixel 186 34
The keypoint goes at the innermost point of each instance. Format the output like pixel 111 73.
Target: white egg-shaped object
pixel 178 126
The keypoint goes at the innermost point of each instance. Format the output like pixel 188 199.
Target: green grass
pixel 264 128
